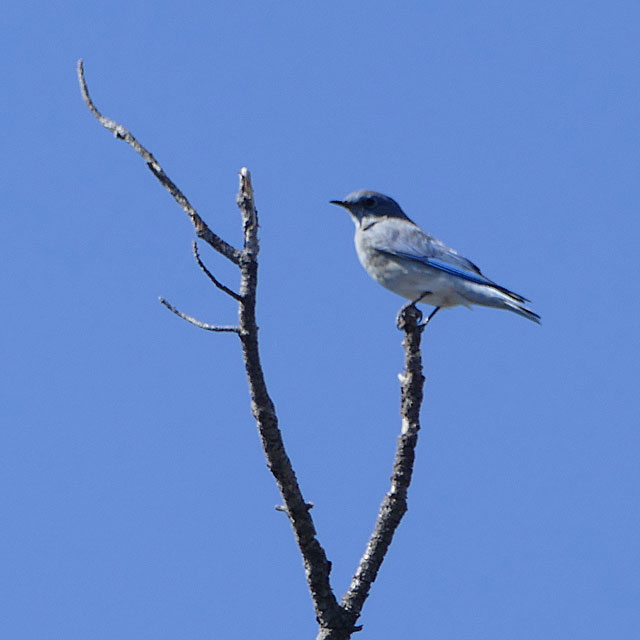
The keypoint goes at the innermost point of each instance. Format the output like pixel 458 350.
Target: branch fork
pixel 337 620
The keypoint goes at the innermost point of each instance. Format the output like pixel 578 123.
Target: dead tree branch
pixel 336 620
pixel 197 323
pixel 394 505
pixel 210 275
pixel 202 230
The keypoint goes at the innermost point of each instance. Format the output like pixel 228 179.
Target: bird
pixel 401 257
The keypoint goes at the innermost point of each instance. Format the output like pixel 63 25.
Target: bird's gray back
pixel 391 235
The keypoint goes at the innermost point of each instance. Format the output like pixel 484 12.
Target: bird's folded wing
pixel 442 265
pixel 410 242
pixel 417 246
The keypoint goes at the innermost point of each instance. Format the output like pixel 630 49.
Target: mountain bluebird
pixel 403 258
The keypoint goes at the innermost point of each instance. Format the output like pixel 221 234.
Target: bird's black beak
pixel 339 203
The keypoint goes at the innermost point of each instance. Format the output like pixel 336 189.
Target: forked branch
pixel 337 620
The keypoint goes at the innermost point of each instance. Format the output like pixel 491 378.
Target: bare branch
pixel 317 566
pixel 120 132
pixel 337 621
pixel 198 323
pixel 249 214
pixel 211 277
pixel 394 505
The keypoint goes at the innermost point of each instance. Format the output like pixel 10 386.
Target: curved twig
pixel 198 323
pixel 216 282
pixel 120 132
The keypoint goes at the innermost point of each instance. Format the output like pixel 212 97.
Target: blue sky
pixel 135 500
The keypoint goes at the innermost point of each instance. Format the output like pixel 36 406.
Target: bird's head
pixel 370 204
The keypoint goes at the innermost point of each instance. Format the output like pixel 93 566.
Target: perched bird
pixel 399 255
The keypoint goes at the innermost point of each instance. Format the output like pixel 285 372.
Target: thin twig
pixel 120 132
pixel 211 277
pixel 198 323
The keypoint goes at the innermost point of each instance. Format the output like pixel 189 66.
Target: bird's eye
pixel 369 203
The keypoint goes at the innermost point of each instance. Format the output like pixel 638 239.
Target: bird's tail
pixel 522 311
pixel 493 295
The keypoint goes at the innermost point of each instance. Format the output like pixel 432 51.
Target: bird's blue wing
pixel 443 265
pixel 408 242
pixel 403 239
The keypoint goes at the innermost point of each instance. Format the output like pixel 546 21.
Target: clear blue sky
pixel 135 502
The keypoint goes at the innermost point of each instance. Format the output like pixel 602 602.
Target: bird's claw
pixel 415 318
pixel 401 318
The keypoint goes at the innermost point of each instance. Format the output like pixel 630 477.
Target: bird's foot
pixel 410 315
pixel 428 320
